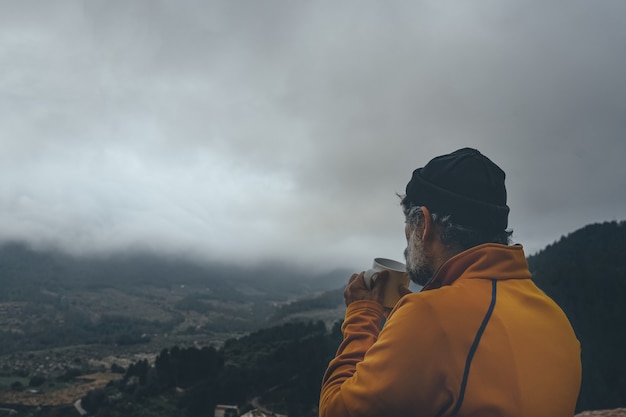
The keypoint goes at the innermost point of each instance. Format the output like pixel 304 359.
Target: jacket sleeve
pixel 395 372
pixel 360 330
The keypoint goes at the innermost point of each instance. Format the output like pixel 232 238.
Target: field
pixel 57 394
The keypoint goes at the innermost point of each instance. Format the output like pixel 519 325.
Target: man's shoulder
pixel 450 298
pixel 432 300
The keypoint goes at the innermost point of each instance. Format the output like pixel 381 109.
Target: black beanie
pixel 466 185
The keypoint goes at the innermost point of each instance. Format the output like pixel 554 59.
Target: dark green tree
pixel 585 273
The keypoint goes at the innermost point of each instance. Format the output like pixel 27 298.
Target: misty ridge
pixel 243 335
pixel 137 298
pixel 50 268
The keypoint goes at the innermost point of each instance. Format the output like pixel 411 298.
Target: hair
pixel 452 235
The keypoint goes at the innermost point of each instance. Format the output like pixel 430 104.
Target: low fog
pixel 282 131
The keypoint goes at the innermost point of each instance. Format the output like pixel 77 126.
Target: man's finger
pixel 381 278
pixel 352 278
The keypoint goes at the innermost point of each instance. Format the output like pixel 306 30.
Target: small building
pixel 222 410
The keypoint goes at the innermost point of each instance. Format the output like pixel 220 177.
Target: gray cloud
pixel 254 130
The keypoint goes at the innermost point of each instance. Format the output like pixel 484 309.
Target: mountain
pixel 585 273
pixel 49 299
pixel 23 269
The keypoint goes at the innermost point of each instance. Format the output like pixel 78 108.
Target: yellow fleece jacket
pixel 481 340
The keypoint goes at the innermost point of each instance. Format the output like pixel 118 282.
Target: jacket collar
pixel 487 261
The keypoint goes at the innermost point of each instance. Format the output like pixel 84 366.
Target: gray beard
pixel 417 263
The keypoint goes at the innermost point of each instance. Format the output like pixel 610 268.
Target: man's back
pixel 527 359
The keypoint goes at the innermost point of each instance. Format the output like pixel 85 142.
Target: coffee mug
pixel 397 277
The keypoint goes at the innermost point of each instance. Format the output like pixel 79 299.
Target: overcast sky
pixel 257 130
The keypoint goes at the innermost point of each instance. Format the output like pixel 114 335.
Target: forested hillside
pixel 279 368
pixel 585 273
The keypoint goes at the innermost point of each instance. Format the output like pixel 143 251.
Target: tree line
pixel 280 367
pixel 585 273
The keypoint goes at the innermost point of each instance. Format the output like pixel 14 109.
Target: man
pixel 480 339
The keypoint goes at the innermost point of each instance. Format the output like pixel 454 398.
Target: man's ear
pixel 429 227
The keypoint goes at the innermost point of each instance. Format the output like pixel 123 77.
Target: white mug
pixel 397 277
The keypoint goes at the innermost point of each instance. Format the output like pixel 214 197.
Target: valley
pixel 65 333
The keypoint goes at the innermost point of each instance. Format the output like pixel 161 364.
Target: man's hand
pixel 357 289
